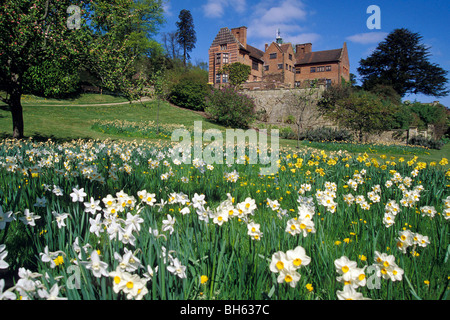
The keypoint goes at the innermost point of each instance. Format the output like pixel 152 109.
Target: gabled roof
pixel 285 47
pixel 226 36
pixel 318 56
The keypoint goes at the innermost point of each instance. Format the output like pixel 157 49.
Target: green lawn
pixel 73 121
pixel 86 98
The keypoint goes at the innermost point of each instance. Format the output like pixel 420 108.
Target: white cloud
pixel 167 8
pixel 288 11
pixel 269 16
pixel 303 38
pixel 368 38
pixel 216 8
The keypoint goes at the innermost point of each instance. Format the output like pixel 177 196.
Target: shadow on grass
pixel 4 107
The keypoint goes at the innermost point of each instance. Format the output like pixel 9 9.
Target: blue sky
pixel 327 24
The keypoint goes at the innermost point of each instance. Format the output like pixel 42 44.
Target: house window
pixel 287 66
pixel 273 55
pixel 328 81
pixel 313 69
pixel 225 78
pixel 290 57
pixel 223 46
pixel 225 58
pixel 297 84
pixel 320 69
pixel 255 65
pixel 217 78
pixel 280 66
pixel 328 68
pixel 266 68
pixel 218 58
pixel 298 70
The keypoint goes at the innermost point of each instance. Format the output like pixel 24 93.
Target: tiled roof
pixel 318 56
pixel 224 36
pixel 285 46
pixel 254 52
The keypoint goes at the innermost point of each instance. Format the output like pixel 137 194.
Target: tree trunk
pixel 16 112
pixel 299 126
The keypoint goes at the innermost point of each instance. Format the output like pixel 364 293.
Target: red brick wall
pixel 306 74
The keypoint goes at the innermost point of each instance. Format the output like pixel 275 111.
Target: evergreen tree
pixel 402 62
pixel 186 33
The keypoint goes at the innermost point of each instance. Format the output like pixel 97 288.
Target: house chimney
pixel 266 46
pixel 303 48
pixel 241 35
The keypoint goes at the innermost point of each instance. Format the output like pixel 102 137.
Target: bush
pixel 426 114
pixel 426 142
pixel 52 79
pixel 189 94
pixel 230 108
pixel 326 134
pixel 287 133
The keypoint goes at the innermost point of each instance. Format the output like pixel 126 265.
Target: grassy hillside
pixel 72 119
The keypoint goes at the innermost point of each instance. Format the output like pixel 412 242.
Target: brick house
pixel 231 46
pixel 279 65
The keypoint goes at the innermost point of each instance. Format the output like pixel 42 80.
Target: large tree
pixel 358 110
pixel 171 45
pixel 402 61
pixel 93 34
pixel 186 33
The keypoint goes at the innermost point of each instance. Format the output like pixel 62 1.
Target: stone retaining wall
pixel 279 106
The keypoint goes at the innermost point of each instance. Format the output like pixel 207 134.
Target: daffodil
pixel 386 267
pixel 60 218
pixel 98 267
pixel 349 293
pixel 52 294
pixel 29 218
pixel 278 262
pixel 5 217
pixel 177 268
pixel 355 277
pixel 134 221
pixel 78 195
pixel 289 275
pixel 168 224
pixel 298 257
pixel 128 262
pixel 344 265
pixel 8 294
pixel 92 206
pixel 3 254
pixel 150 272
